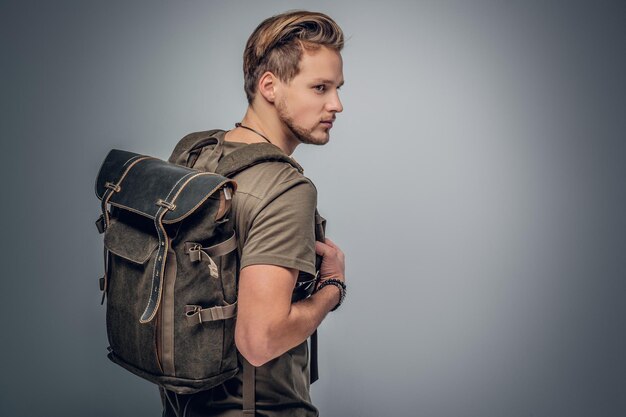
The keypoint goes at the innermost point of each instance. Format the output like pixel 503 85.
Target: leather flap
pixel 130 242
pixel 140 182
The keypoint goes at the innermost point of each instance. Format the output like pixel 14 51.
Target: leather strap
pixel 314 375
pixel 196 254
pixel 161 255
pixel 202 315
pixel 158 269
pixel 249 400
pixel 219 249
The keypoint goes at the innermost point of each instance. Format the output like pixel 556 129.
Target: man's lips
pixel 328 123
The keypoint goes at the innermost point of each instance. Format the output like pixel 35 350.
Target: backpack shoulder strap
pixel 187 153
pixel 251 155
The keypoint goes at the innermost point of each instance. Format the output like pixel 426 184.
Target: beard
pixel 302 134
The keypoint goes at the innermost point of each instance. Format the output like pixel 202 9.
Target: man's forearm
pixel 303 318
pixel 264 337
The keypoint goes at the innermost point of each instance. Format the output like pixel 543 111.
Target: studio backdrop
pixel 475 181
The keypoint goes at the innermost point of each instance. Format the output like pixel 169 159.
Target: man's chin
pixel 316 140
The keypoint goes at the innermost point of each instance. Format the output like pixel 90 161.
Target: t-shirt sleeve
pixel 282 231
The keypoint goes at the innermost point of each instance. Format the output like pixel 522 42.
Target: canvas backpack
pixel 172 261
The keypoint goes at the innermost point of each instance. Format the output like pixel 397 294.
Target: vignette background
pixel 475 181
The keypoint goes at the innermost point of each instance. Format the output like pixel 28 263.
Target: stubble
pixel 302 134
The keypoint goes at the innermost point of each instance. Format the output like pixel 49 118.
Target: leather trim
pixel 158 270
pixel 140 187
pixel 167 316
pixel 177 219
pixel 219 249
pixel 196 313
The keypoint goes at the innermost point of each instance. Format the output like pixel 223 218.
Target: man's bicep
pixel 264 295
pixel 283 231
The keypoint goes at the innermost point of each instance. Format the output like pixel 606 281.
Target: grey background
pixel 475 181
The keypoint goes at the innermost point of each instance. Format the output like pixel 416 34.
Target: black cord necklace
pixel 249 128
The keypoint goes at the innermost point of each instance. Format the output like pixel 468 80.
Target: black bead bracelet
pixel 337 283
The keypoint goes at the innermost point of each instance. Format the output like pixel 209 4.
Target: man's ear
pixel 267 86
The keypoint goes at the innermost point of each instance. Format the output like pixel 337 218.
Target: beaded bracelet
pixel 337 283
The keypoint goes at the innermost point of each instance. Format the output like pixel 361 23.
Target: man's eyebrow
pixel 324 81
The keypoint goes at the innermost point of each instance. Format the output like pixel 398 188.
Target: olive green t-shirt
pixel 274 216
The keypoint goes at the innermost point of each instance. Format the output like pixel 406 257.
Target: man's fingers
pixel 321 248
pixel 327 247
pixel 331 243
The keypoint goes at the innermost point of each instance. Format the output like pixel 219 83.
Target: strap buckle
pixel 190 310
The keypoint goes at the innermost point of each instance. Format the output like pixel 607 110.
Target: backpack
pixel 171 263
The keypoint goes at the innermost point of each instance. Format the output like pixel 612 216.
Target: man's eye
pixel 320 88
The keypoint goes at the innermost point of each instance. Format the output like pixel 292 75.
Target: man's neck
pixel 267 123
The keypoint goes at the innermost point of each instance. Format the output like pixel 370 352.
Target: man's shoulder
pixel 264 180
pixel 268 178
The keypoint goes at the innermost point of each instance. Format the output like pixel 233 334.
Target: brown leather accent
pixel 156 291
pixel 219 249
pixel 222 248
pixel 200 315
pixel 249 400
pixel 100 224
pixel 194 251
pixel 167 316
pixel 157 338
pixel 197 253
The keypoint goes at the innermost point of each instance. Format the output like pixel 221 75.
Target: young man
pixel 293 71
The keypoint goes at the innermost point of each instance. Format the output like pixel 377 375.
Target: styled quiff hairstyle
pixel 276 45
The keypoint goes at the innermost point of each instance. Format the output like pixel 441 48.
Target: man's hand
pixel 333 262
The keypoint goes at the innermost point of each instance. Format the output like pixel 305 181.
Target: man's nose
pixel 334 105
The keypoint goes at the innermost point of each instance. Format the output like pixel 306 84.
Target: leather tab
pixel 197 313
pixel 103 288
pixel 222 248
pixel 194 252
pixel 100 224
pixel 159 270
pixel 197 253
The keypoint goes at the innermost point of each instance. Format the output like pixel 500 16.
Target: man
pixel 293 71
